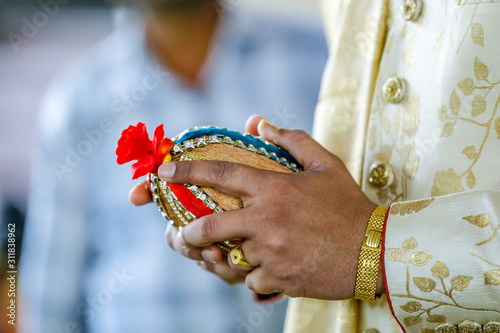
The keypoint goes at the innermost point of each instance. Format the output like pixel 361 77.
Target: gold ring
pixel 237 256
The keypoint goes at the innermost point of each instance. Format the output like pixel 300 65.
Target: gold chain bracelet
pixel 369 257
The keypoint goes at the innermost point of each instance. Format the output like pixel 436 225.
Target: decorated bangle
pixel 369 257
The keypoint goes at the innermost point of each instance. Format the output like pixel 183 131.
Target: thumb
pixel 301 145
pixel 252 123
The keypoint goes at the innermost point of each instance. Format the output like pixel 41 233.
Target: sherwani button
pixel 491 327
pixel 394 90
pixel 469 326
pixel 381 174
pixel 446 328
pixel 411 9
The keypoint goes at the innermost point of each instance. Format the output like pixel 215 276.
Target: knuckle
pixel 185 171
pixel 278 245
pixel 298 134
pixel 257 285
pixel 206 227
pixel 220 173
pixel 252 284
pixel 280 185
pixel 274 218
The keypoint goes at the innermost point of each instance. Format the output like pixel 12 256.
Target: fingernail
pixel 267 126
pixel 208 255
pixel 166 170
pixel 180 239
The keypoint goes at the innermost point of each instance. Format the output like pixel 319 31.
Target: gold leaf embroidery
pixel 409 244
pixel 394 254
pixel 387 125
pixel 446 182
pixel 436 319
pixel 470 152
pixel 477 33
pixel 447 129
pixel 424 284
pixel 480 70
pixel 411 306
pixel 397 120
pixel 410 207
pixel 497 127
pixel 467 86
pixel 460 282
pixel 478 105
pixel 480 220
pixel 455 103
pixel 440 270
pixel 411 115
pixel 492 277
pixel 421 258
pixel 410 160
pixel 442 112
pixel 412 321
pixel 471 179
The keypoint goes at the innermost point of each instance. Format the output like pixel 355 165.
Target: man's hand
pixel 302 232
pixel 211 258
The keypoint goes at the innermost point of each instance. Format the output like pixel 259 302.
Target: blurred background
pixel 26 70
pixel 39 39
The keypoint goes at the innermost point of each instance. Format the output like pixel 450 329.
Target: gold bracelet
pixel 369 257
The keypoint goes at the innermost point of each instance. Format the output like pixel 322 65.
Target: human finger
pixel 231 178
pixel 252 123
pixel 238 253
pixel 217 228
pixel 307 151
pixel 261 282
pixel 223 271
pixel 140 195
pixel 209 253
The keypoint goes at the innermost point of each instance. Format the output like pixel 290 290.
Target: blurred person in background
pixel 87 265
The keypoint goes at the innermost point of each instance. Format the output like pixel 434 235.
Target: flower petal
pixel 158 135
pixel 142 167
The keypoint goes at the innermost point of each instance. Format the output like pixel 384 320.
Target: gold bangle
pixel 369 257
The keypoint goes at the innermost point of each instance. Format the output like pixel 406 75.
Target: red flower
pixel 134 144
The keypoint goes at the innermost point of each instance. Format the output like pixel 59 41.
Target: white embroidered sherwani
pixel 435 130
